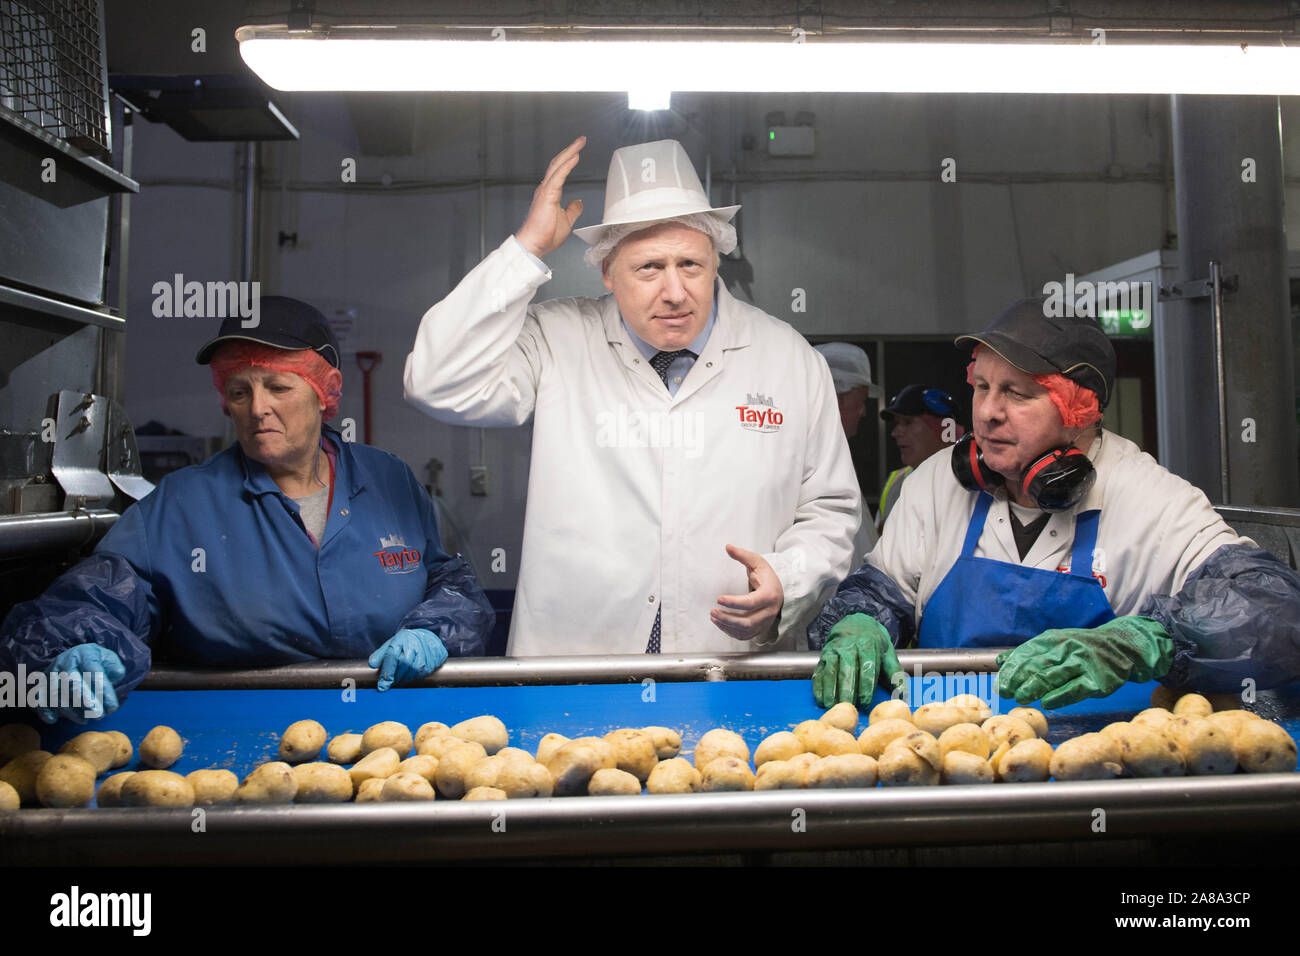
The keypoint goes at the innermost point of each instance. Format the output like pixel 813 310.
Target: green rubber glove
pixel 858 650
pixel 1068 665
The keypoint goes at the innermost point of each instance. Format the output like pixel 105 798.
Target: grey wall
pixel 1045 185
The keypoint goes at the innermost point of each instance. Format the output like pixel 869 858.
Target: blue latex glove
pixel 81 664
pixel 408 654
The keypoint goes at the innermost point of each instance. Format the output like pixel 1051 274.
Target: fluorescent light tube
pixel 341 63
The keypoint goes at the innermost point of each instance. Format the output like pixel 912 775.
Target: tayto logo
pixel 395 557
pixel 759 414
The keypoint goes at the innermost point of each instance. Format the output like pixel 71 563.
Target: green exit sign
pixel 1126 323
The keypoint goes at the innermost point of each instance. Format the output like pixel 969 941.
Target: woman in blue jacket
pixel 290 545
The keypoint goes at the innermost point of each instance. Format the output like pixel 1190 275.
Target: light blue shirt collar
pixel 648 351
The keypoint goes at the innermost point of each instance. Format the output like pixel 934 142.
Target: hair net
pixel 1077 404
pixel 326 381
pixel 722 233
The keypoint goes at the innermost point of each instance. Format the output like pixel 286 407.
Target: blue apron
pixel 987 603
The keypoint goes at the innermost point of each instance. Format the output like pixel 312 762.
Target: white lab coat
pixel 1154 530
pixel 633 492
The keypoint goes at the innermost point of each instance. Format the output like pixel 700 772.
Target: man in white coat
pixel 690 488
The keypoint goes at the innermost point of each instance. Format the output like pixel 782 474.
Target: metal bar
pixel 39 304
pixel 1287 517
pixel 658 824
pixel 23 535
pixel 104 177
pixel 1216 314
pixel 519 671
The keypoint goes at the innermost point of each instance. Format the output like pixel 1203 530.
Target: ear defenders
pixel 1056 481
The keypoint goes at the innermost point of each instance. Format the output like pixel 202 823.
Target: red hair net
pixel 1077 405
pixel 326 381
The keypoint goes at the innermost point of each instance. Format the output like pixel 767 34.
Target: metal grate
pixel 52 70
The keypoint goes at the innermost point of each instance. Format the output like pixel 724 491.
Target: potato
pixel 1149 753
pixel 900 766
pixel 378 763
pixel 20 773
pixel 16 739
pixel 388 733
pixel 406 786
pixel 1087 757
pixel 1192 705
pixel 879 735
pixel 485 793
pixel 160 748
pixel 726 773
pixel 269 783
pixel 611 782
pixel 634 752
pixel 320 782
pixel 1034 717
pixel 890 710
pixel 97 749
pixel 574 764
pixel 834 741
pixel 425 765
pixel 124 749
pixel 1262 746
pixel 9 797
pixel 486 730
pixel 668 742
pixel 439 744
pixel 66 780
pixel 110 791
pixel 781 745
pixel 1206 748
pixel 159 788
pixel 548 745
pixel 1007 729
pixel 674 775
pixel 1113 732
pixel 924 745
pixel 783 774
pixel 603 747
pixel 484 772
pixel 843 716
pixel 370 790
pixel 211 787
pixel 934 719
pixel 1029 761
pixel 968 738
pixel 344 748
pixel 520 780
pixel 434 728
pixel 515 753
pixel 1153 717
pixel 1230 721
pixel 454 766
pixel 809 733
pixel 723 743
pixel 841 771
pixel 975 707
pixel 302 741
pixel 962 767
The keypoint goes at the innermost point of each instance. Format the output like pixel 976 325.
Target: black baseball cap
pixel 284 323
pixel 1040 344
pixel 920 400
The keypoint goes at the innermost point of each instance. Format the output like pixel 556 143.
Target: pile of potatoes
pixel 958 741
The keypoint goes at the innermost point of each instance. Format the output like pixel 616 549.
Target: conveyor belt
pixel 237 729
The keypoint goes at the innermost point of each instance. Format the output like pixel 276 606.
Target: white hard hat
pixel 650 182
pixel 850 367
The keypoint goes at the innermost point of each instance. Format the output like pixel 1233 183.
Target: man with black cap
pixel 1045 532
pixel 290 545
pixel 919 417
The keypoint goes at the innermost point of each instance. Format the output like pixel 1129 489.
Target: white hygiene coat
pixel 634 492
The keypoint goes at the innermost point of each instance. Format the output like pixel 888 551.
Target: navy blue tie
pixel 660 362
